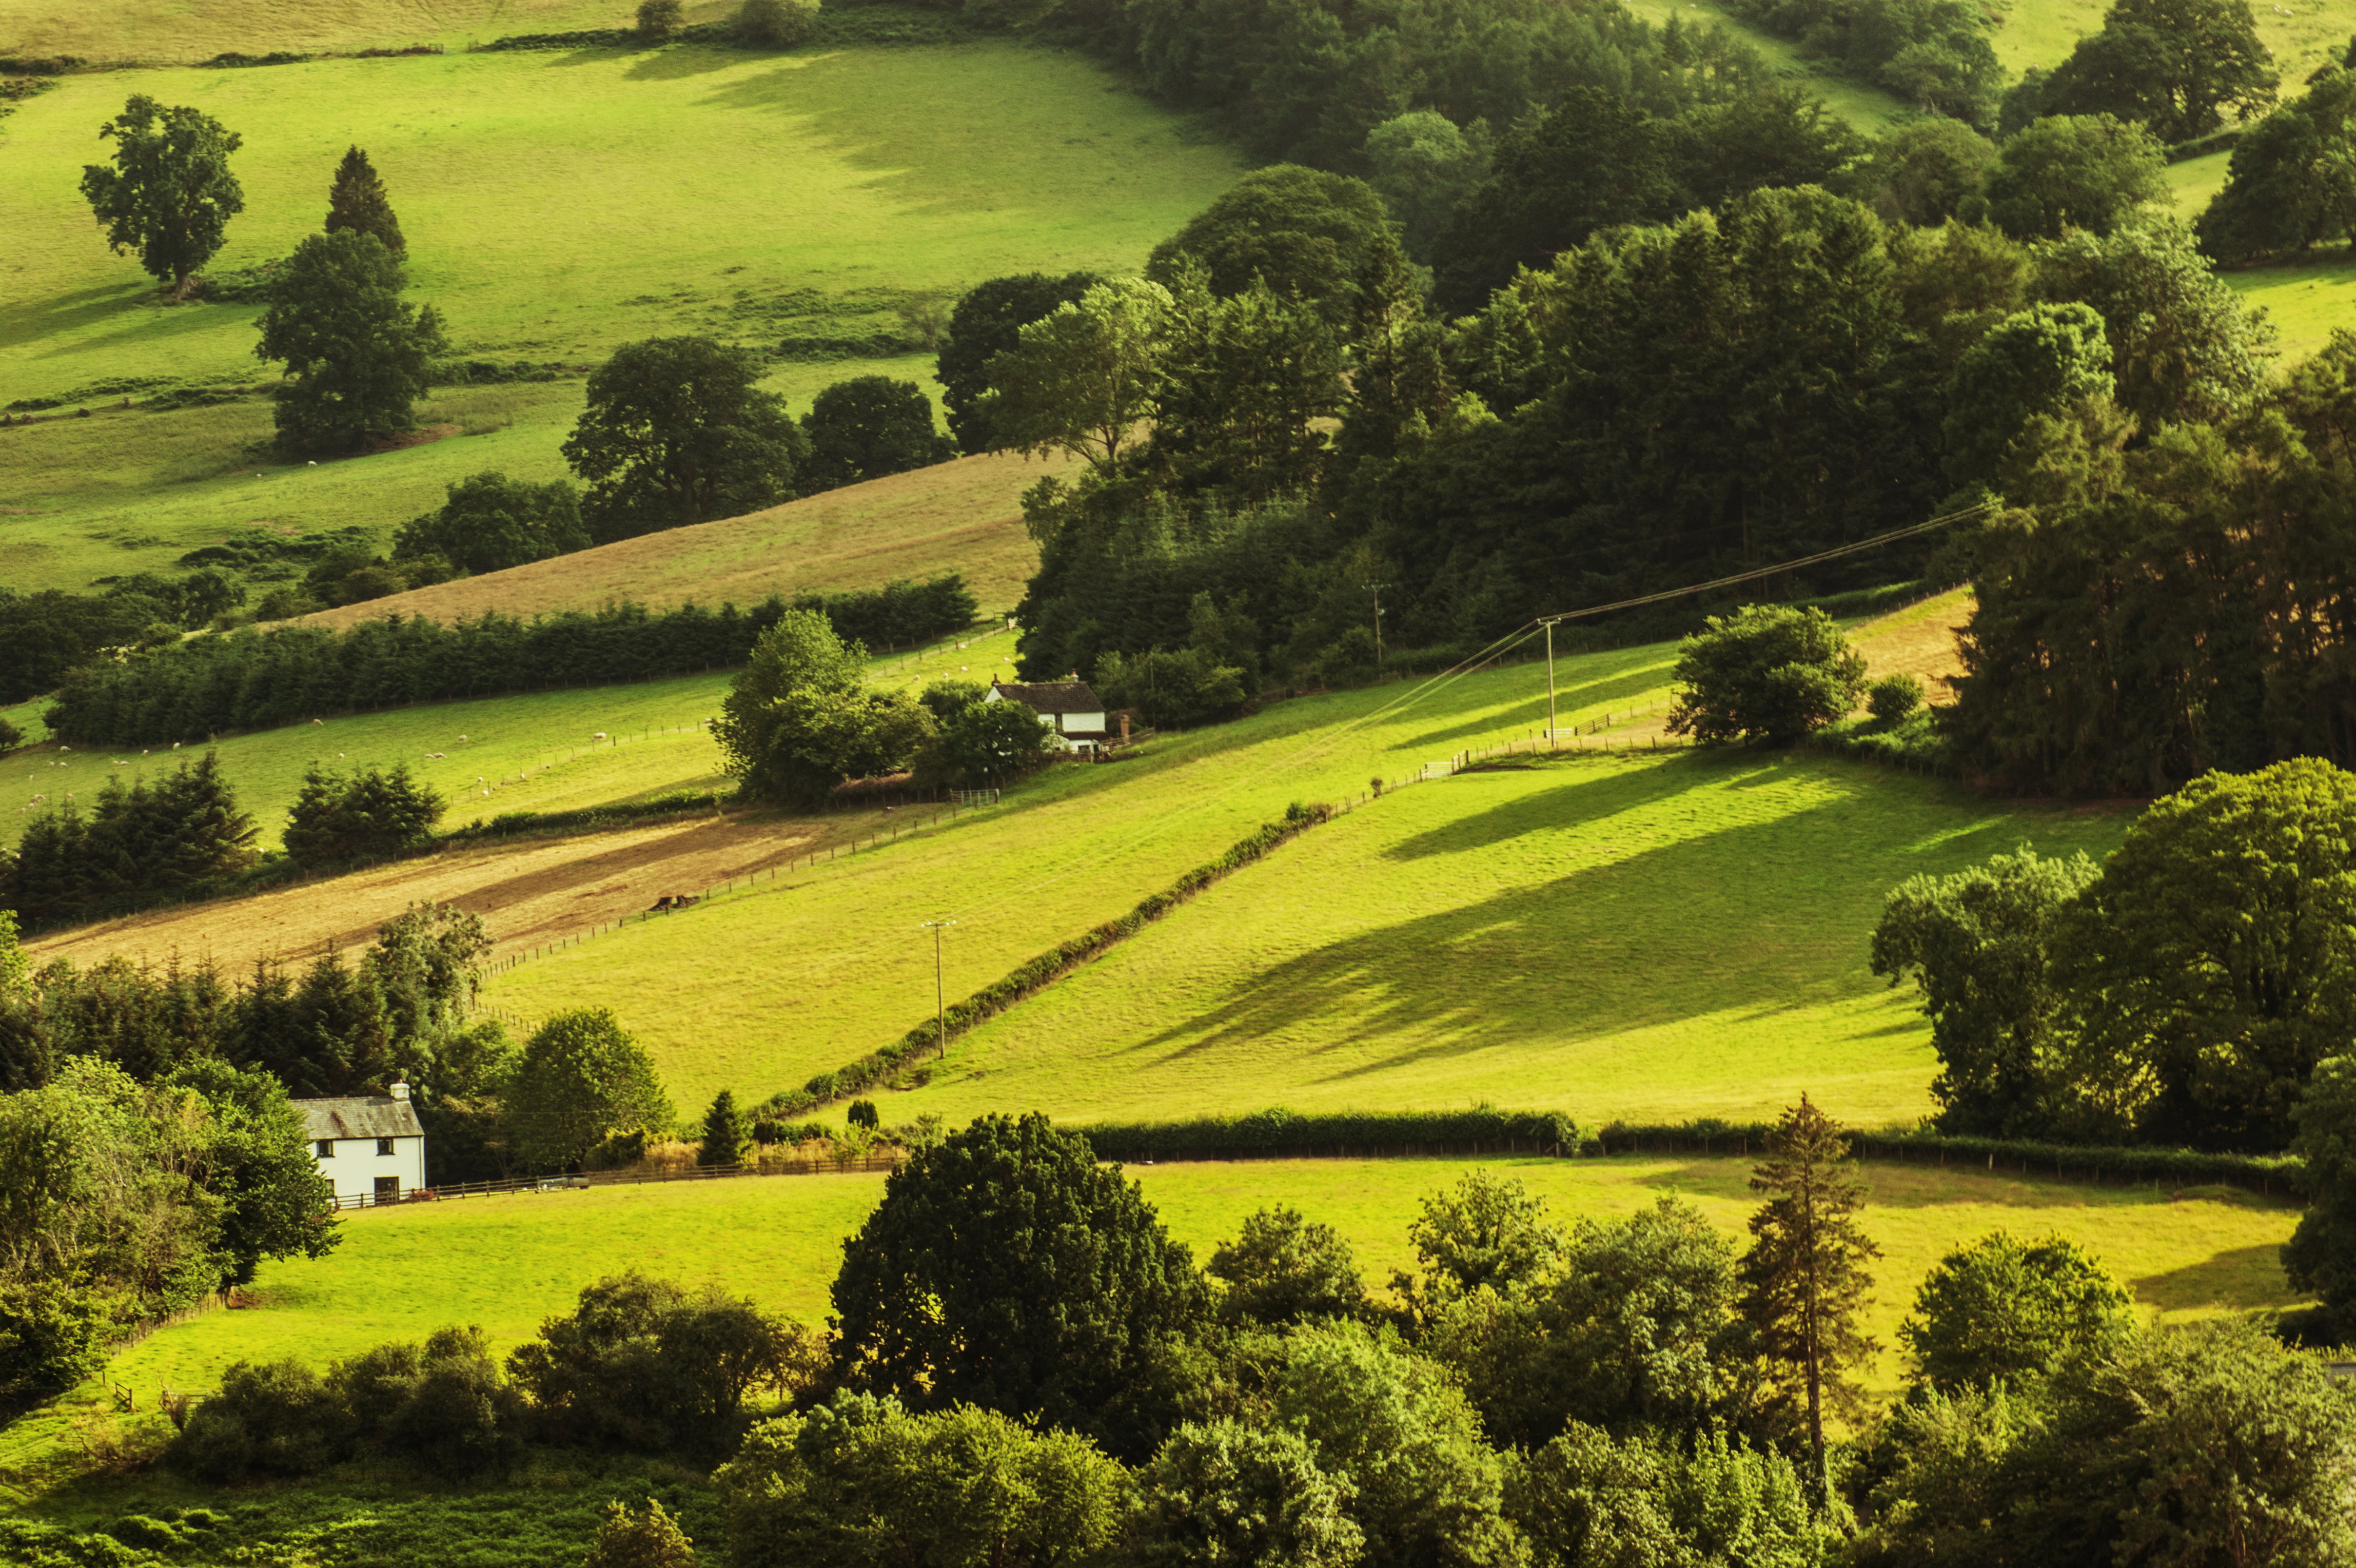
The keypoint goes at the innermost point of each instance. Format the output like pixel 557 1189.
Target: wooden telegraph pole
pixel 940 997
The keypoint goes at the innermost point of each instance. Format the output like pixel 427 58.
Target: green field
pixel 508 1262
pixel 556 204
pixel 197 29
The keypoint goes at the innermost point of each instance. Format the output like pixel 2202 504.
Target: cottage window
pixel 326 1148
pixel 384 1145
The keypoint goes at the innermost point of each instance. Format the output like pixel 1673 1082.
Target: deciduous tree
pixel 1767 673
pixel 357 358
pixel 2175 65
pixel 677 431
pixel 1082 379
pixel 2292 181
pixel 1281 1268
pixel 170 195
pixel 986 322
pixel 582 1078
pixel 2006 1311
pixel 491 523
pixel 870 426
pixel 2082 171
pixel 2042 361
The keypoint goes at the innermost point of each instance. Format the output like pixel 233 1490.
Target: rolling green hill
pixel 556 204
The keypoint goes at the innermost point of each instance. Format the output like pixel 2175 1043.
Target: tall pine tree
pixel 726 1139
pixel 357 202
pixel 1805 1274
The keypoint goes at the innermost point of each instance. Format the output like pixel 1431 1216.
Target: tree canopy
pixel 358 357
pixel 491 523
pixel 677 431
pixel 169 195
pixel 1767 673
pixel 2176 66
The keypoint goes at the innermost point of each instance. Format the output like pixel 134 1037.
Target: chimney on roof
pixel 400 1092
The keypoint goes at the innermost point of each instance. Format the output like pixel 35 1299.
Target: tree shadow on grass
pixel 1568 698
pixel 681 64
pixel 2240 1280
pixel 30 320
pixel 1726 920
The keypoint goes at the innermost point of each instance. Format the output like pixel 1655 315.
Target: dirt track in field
pixel 530 891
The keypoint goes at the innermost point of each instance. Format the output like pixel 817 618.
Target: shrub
pixel 1893 699
pixel 275 1419
pixel 649 1539
pixel 776 23
pixel 660 20
pixel 1226 1493
pixel 11 737
pixel 1767 673
pixel 863 1114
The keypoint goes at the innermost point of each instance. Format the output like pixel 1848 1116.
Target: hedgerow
pixel 1337 1132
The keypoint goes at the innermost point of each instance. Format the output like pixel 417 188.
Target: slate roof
pixel 1052 696
pixel 367 1116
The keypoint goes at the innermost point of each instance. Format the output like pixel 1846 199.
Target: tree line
pixel 258 678
pixel 1023 1368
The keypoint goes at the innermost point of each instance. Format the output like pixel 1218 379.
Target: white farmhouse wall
pixel 354 1165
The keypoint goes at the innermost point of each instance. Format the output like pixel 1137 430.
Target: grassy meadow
pixel 198 29
pixel 556 204
pixel 506 1263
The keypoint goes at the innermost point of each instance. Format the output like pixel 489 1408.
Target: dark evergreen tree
pixel 727 1138
pixel 1005 1268
pixel 357 202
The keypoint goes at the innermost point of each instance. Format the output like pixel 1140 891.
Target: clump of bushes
pixel 775 24
pixel 1893 699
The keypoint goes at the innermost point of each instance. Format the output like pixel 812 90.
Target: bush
pixel 660 20
pixel 2000 1311
pixel 491 523
pixel 11 737
pixel 863 1114
pixel 275 1419
pixel 51 1337
pixel 650 1540
pixel 1893 699
pixel 1767 673
pixel 776 23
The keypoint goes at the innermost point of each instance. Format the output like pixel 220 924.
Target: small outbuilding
pixel 372 1147
pixel 1075 711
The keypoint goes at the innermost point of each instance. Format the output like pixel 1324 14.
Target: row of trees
pixel 134 840
pixel 1025 1369
pixel 2184 992
pixel 45 634
pixel 257 678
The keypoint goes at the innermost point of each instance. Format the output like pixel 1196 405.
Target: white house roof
pixel 1052 696
pixel 365 1116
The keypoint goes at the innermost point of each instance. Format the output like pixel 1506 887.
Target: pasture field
pixel 198 29
pixel 506 1263
pixel 556 204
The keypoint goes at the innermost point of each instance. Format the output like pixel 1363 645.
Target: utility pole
pixel 940 998
pixel 1553 742
pixel 1379 588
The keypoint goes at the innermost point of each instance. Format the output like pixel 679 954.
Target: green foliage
pixel 1315 238
pixel 983 744
pixel 1249 381
pixel 2074 171
pixel 1636 1328
pixel 1976 945
pixel 2212 964
pixel 659 21
pixel 53 1334
pixel 582 1077
pixel 1586 1499
pixel 987 321
pixel 1281 1269
pixel 1172 689
pixel 356 358
pixel 2292 181
pixel 1935 52
pixel 1222 1493
pixel 357 202
pixel 2006 1311
pixel 1486 1232
pixel 491 523
pixel 1396 1429
pixel 2205 1443
pixel 1767 673
pixel 863 1481
pixel 677 431
pixel 169 196
pixel 800 719
pixel 642 1364
pixel 2185 346
pixel 1006 1268
pixel 1925 172
pixel 372 814
pixel 1893 699
pixel 862 1114
pixel 1421 164
pixel 652 1539
pixel 2044 360
pixel 870 426
pixel 1278 1132
pixel 947 698
pixel 277 1418
pixel 2320 1256
pixel 139 839
pixel 44 634
pixel 1805 1278
pixel 1080 378
pixel 2173 65
pixel 776 23
pixel 726 1138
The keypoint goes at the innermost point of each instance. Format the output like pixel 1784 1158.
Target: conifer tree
pixel 357 202
pixel 1805 1275
pixel 725 1136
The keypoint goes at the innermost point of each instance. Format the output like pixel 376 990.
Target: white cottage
pixel 371 1147
pixel 1076 712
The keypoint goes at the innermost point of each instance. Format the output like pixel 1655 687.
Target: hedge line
pixel 1266 1133
pixel 2118 1166
pixel 1028 978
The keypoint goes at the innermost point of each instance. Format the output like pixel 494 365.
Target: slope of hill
pixel 198 29
pixel 963 516
pixel 555 204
